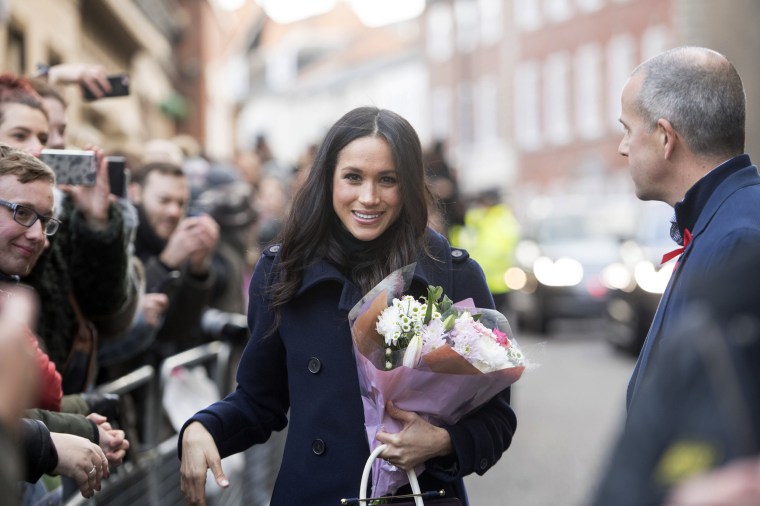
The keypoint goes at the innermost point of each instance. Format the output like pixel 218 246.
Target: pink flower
pixel 501 338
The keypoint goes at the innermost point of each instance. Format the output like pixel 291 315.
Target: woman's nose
pixel 369 194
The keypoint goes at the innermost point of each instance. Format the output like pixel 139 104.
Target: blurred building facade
pixel 574 58
pixel 525 93
pixel 305 75
pixel 170 49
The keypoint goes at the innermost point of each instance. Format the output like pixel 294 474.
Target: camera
pixel 119 88
pixel 224 326
pixel 71 166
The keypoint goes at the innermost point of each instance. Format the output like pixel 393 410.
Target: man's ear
pixel 668 137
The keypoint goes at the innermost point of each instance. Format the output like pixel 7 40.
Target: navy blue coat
pixel 723 213
pixel 307 366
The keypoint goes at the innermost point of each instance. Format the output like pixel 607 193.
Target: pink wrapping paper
pixel 442 389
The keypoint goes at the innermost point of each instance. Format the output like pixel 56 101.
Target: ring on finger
pixel 92 471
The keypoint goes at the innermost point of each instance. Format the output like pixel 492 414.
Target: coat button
pixel 483 464
pixel 275 248
pixel 456 253
pixel 314 365
pixel 318 447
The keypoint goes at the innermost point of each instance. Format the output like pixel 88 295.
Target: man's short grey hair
pixel 701 94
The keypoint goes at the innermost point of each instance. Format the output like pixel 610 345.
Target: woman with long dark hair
pixel 361 214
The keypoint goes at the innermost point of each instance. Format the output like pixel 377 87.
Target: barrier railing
pixel 153 479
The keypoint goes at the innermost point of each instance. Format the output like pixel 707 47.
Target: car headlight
pixel 515 278
pixel 651 279
pixel 617 277
pixel 562 272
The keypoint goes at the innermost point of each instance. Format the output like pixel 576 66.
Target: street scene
pixel 248 242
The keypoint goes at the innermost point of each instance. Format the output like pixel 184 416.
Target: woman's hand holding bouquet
pixel 430 358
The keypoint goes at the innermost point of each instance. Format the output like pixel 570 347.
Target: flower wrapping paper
pixel 443 387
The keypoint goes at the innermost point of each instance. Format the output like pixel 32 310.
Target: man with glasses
pixel 26 190
pixel 26 222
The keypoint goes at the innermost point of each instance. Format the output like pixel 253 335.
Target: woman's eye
pixel 352 177
pixel 389 180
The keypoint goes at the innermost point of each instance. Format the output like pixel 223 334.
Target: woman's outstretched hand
pixel 417 442
pixel 199 453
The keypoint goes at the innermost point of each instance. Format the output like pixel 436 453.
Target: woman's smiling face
pixel 365 191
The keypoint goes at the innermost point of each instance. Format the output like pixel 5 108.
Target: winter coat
pixel 307 366
pixel 722 212
pixel 92 266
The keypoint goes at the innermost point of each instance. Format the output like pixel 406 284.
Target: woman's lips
pixel 367 216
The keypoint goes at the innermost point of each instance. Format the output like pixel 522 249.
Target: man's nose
pixel 623 147
pixel 36 232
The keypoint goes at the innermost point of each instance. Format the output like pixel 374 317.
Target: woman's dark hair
pixel 312 230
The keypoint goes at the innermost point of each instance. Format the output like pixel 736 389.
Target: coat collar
pixel 321 271
pixel 703 200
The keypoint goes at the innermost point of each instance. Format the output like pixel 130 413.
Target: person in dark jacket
pixel 684 118
pixel 82 275
pixel 176 251
pixel 361 214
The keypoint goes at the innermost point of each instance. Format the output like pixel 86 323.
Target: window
pixel 465 109
pixel 620 64
pixel 440 105
pixel 589 97
pixel 527 128
pixel 466 14
pixel 556 103
pixel 527 14
pixel 15 57
pixel 487 112
pixel 439 32
pixel 491 21
pixel 558 10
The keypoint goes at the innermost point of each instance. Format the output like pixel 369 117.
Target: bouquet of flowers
pixel 439 359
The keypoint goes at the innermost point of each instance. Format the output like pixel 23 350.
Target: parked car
pixel 562 261
pixel 638 280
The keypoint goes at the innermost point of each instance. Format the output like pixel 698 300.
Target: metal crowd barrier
pixel 153 478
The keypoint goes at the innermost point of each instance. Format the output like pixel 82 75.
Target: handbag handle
pixel 365 479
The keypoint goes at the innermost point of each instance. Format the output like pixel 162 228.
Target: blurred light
pixel 288 11
pixel 515 278
pixel 621 311
pixel 630 252
pixel 617 276
pixel 564 272
pixel 374 13
pixel 651 279
pixel 526 252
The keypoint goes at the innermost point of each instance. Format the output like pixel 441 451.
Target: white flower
pixel 412 353
pixel 433 335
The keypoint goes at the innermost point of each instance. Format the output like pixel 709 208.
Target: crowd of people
pixel 115 280
pixel 109 282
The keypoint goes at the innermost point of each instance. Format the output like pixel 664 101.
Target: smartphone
pixel 118 175
pixel 71 166
pixel 119 88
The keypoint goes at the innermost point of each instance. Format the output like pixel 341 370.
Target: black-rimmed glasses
pixel 27 217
